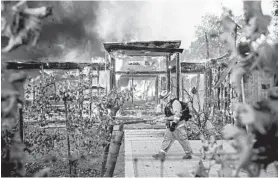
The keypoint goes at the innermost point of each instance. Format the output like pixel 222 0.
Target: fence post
pixel 178 75
pixel 114 151
pixel 156 90
pixel 112 74
pixel 98 73
pixel 168 77
pixel 243 96
pixel 161 167
pixel 105 153
pixel 68 138
pixel 21 126
pixel 91 89
pixel 135 167
pixel 208 75
pixel 182 88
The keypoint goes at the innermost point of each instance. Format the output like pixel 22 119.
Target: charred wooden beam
pixel 50 65
pixel 116 47
pixel 57 79
pixel 158 44
pixel 190 67
pixel 185 68
pixel 157 54
pixel 138 76
pixel 141 72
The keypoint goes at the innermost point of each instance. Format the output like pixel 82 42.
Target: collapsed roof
pixel 144 48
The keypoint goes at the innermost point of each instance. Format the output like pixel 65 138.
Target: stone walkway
pixel 142 144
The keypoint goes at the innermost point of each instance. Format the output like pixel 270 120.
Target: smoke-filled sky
pixel 77 29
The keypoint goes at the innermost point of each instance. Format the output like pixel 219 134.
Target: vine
pixel 257 147
pixel 86 130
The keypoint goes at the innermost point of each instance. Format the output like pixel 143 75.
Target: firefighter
pixel 177 113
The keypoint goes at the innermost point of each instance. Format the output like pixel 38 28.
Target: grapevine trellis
pixel 89 128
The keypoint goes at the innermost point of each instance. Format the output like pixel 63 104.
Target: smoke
pixel 65 36
pixel 145 20
pixel 118 21
pixel 158 20
pixel 77 29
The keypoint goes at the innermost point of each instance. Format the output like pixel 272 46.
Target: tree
pixel 207 33
pixel 198 49
pixel 257 147
pixel 275 18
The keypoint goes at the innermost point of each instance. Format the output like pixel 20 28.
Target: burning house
pixel 149 67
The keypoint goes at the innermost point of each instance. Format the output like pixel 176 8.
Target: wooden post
pixel 156 89
pixel 242 91
pixel 132 89
pixel 42 109
pixel 68 138
pixel 161 167
pixel 91 90
pixel 42 71
pixel 208 82
pixel 163 83
pixel 208 76
pixel 229 100
pixel 168 77
pixel 112 74
pixel 182 88
pixel 114 151
pixel 243 97
pixel 198 94
pixel 55 87
pixel 98 79
pixel 220 98
pixel 105 153
pixel 81 93
pixel 105 71
pixel 78 93
pixel 225 104
pixel 34 91
pixel 136 167
pixel 178 75
pixel 21 125
pixel 235 34
pixel 172 84
pixel 275 82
